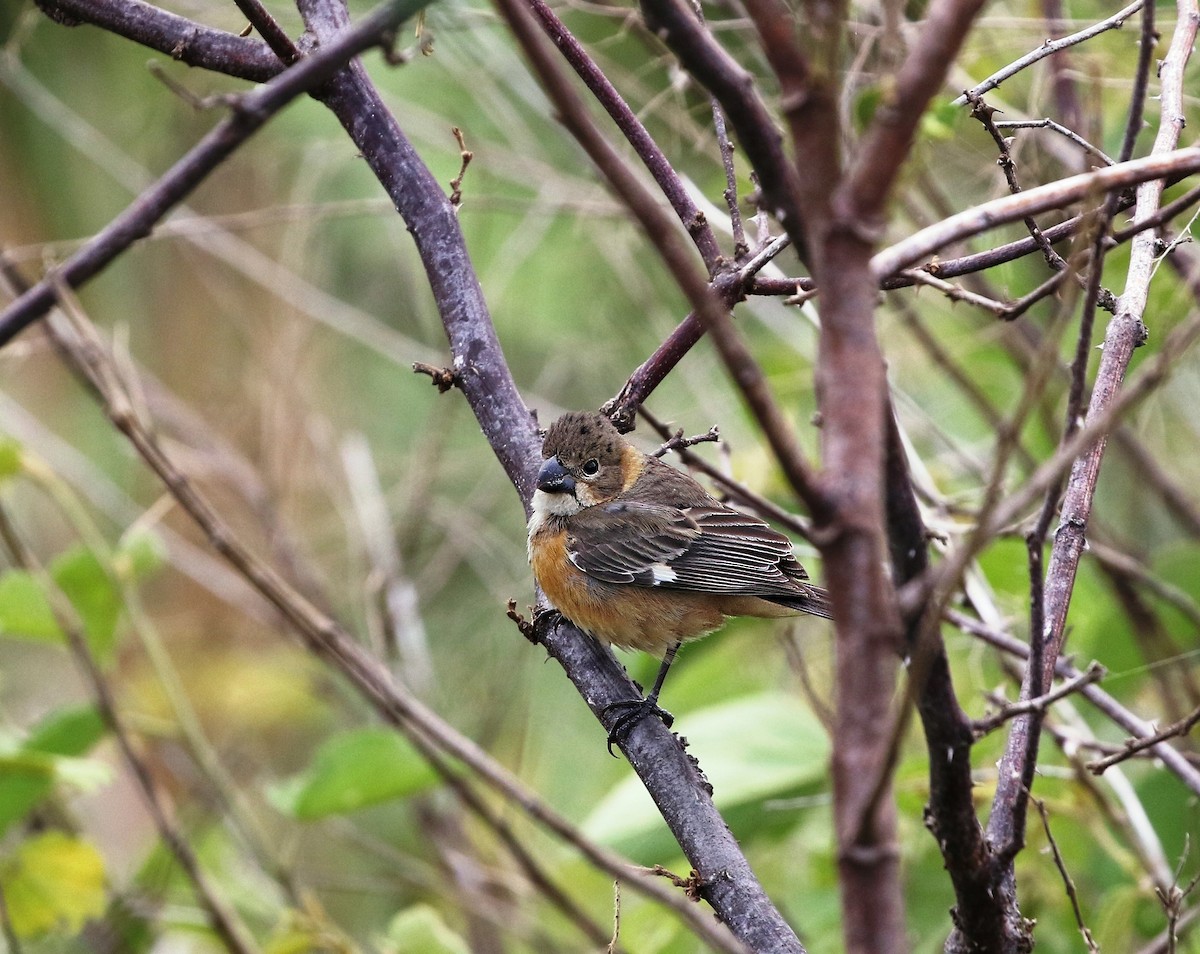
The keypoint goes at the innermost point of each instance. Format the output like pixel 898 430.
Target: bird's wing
pixel 706 548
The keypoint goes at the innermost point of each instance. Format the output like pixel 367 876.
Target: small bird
pixel 639 555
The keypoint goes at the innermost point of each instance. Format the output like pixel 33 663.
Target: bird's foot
pixel 634 711
pixel 545 620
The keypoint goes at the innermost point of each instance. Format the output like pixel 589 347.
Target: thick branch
pixel 250 113
pixel 180 38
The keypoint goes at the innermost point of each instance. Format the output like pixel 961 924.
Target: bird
pixel 641 556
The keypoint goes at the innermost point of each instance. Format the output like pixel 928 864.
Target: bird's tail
pixel 813 600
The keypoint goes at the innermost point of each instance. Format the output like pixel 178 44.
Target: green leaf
pixel 70 731
pixel 140 552
pixel 752 749
pixel 351 771
pixel 940 120
pixel 10 457
pixel 28 774
pixel 24 610
pixel 421 930
pixel 54 883
pixel 90 588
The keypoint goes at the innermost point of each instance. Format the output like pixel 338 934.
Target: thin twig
pixel 329 641
pixel 1115 22
pixel 252 111
pixel 224 919
pixel 1061 130
pixel 1067 882
pixel 1010 710
pixel 1171 758
pixel 677 442
pixel 1133 746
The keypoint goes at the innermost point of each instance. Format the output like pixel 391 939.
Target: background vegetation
pixel 267 329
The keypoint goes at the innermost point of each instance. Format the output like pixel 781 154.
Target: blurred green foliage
pixel 274 320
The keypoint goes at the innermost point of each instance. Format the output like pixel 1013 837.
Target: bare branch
pixel 1067 882
pixel 250 113
pixel 1051 196
pixel 1010 710
pixel 1134 746
pixel 1115 22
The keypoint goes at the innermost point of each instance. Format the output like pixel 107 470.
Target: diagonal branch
pixel 182 39
pixel 250 113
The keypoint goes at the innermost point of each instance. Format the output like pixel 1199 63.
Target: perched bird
pixel 639 555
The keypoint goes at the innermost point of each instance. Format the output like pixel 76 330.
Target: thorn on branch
pixel 443 378
pixel 456 182
pixel 679 442
pixel 1134 746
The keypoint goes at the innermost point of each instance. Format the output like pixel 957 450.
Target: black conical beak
pixel 554 479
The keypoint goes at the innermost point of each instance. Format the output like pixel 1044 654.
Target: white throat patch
pixel 555 505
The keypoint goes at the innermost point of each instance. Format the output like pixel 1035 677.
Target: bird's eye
pixel 590 467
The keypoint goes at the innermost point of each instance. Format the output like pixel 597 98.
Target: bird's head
pixel 585 464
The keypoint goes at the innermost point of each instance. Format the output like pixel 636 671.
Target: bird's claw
pixel 545 620
pixel 635 711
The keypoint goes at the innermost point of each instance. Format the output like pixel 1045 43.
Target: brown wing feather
pixel 707 548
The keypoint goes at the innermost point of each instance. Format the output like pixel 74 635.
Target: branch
pixel 631 127
pixel 1115 22
pixel 181 39
pixel 1172 759
pixel 1072 895
pixel 1009 208
pixel 1134 746
pixel 1010 710
pixel 250 112
pixel 221 915
pixel 734 88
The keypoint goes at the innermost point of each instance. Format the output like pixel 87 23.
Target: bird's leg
pixel 544 620
pixel 636 710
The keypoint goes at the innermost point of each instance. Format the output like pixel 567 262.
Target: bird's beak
pixel 554 479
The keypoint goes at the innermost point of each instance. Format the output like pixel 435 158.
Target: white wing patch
pixel 662 573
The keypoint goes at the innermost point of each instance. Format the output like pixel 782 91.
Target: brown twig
pixel 252 111
pixel 221 915
pixel 1010 710
pixel 326 638
pixel 677 442
pixel 442 378
pixel 1134 746
pixel 456 183
pixel 1072 895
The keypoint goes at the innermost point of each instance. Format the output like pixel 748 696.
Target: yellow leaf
pixel 53 883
